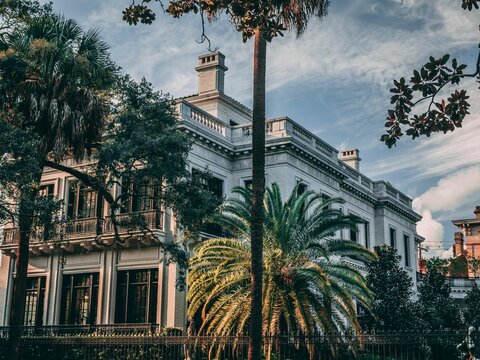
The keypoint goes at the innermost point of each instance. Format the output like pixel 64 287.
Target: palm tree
pixel 294 14
pixel 54 80
pixel 262 20
pixel 307 288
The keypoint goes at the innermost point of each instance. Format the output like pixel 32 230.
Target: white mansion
pixel 81 282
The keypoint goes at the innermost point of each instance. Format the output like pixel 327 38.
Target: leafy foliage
pixel 458 266
pixel 392 308
pixel 272 17
pixel 54 81
pixel 16 12
pixel 470 4
pixel 474 266
pixel 472 304
pixel 425 85
pixel 307 288
pixel 439 311
pixel 19 160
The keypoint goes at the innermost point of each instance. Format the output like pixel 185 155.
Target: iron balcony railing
pixel 86 228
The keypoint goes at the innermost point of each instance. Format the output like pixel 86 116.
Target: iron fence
pixel 109 343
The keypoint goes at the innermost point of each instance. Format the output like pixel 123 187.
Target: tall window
pixel 393 238
pixel 406 247
pixel 81 202
pixel 354 235
pixel 302 187
pixel 215 185
pixel 325 198
pixel 34 301
pixel 138 195
pixel 137 296
pixel 367 234
pixel 80 297
pixel 248 184
pixel 46 190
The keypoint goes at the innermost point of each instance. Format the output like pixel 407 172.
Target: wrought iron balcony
pixel 84 231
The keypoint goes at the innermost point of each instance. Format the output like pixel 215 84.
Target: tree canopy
pixel 472 304
pixel 439 312
pixel 392 306
pixel 271 17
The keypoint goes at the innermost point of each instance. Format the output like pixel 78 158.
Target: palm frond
pixel 307 288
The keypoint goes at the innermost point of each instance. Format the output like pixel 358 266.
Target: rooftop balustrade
pixel 283 128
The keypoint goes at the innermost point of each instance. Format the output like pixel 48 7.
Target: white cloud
pixel 433 232
pixel 454 192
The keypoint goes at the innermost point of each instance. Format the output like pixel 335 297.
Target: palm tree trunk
pixel 258 190
pixel 25 221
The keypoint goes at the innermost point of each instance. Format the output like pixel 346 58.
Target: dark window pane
pixel 367 234
pixel 72 194
pixel 301 188
pixel 353 235
pixel 137 296
pixel 215 185
pixel 406 244
pixel 325 198
pixel 34 301
pixel 393 238
pixel 80 297
pixel 87 203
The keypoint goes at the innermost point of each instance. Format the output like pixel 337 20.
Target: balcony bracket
pixel 67 247
pixel 47 249
pixel 87 245
pixel 35 250
pixel 146 240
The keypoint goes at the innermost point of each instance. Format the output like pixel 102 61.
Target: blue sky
pixel 334 80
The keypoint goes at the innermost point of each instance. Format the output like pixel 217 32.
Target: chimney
pixel 477 212
pixel 458 245
pixel 351 158
pixel 211 72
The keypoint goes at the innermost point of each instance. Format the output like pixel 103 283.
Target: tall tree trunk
pixel 258 190
pixel 26 212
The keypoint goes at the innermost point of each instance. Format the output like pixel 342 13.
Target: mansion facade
pixel 80 281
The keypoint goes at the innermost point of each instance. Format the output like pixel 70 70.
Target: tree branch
pixel 85 178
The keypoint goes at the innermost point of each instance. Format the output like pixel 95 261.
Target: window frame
pixel 134 201
pixel 392 239
pixel 38 308
pixel 74 200
pixel 406 249
pixel 366 235
pixel 354 234
pixel 69 304
pixel 124 313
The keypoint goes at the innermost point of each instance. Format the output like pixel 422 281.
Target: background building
pixel 79 280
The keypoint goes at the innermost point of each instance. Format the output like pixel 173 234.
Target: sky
pixel 335 81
